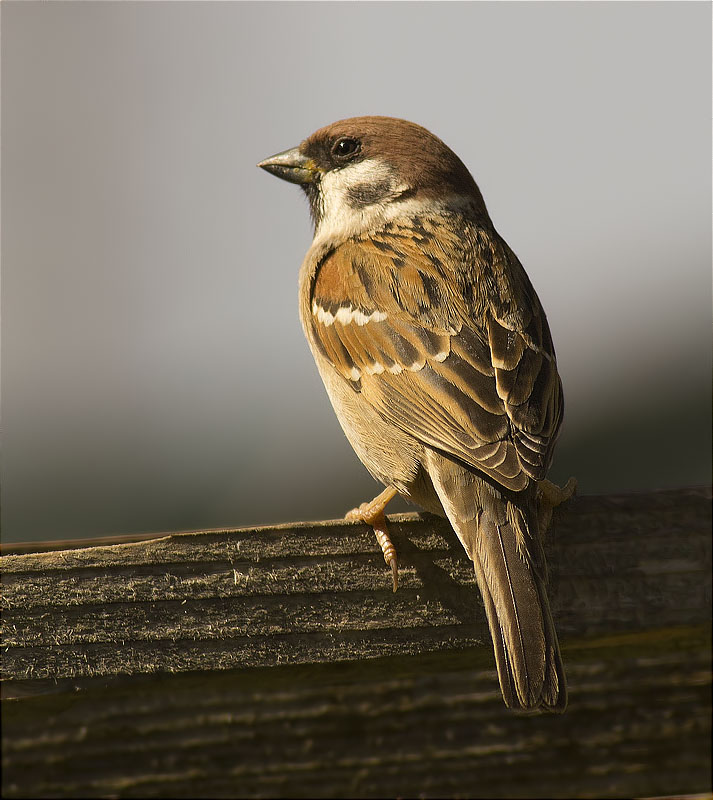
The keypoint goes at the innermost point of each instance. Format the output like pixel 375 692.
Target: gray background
pixel 154 373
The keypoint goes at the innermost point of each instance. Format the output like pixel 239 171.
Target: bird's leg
pixel 372 513
pixel 549 496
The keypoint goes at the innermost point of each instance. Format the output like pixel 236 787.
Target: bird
pixel 438 360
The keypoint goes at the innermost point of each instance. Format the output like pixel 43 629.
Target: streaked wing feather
pixel 410 340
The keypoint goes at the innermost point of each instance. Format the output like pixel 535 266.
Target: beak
pixel 291 166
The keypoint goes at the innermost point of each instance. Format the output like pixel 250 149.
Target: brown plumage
pixel 438 360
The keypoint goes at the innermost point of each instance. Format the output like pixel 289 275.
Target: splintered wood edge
pixel 631 502
pixel 49 545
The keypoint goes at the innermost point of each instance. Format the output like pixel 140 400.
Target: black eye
pixel 346 147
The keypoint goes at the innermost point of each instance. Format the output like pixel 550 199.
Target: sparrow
pixel 437 357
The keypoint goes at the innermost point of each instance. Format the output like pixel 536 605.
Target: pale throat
pixel 358 198
pixel 364 196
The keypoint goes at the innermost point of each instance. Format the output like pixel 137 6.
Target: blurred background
pixel 154 373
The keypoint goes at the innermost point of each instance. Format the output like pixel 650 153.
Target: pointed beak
pixel 291 166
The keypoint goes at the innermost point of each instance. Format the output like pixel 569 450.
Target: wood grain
pixel 277 662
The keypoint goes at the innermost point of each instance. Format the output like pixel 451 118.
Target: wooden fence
pixel 277 662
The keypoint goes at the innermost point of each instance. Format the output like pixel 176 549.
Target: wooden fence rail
pixel 278 662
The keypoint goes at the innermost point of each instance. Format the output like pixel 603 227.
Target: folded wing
pixel 475 378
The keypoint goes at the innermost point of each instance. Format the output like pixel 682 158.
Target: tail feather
pixel 505 673
pixel 503 542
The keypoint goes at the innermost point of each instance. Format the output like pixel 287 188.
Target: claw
pixel 388 549
pixel 549 496
pixel 372 513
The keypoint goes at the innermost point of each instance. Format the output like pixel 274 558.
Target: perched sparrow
pixel 437 357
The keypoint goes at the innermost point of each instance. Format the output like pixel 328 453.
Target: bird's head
pixel 358 173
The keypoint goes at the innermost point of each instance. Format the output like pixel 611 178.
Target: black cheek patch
pixel 366 194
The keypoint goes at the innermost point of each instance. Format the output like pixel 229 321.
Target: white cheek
pixel 340 219
pixel 339 216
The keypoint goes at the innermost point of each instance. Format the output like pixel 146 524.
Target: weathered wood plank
pixel 429 725
pixel 277 662
pixel 321 593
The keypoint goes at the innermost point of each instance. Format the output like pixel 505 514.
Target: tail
pixel 503 541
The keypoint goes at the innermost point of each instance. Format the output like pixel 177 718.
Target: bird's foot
pixel 549 496
pixel 374 509
pixel 372 513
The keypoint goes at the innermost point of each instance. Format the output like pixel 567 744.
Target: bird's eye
pixel 345 148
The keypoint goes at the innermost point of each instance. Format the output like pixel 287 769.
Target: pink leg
pixel 372 513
